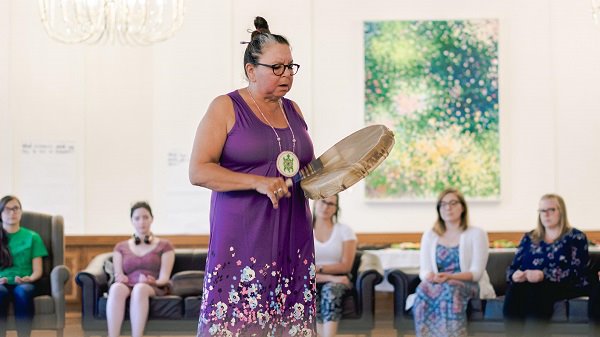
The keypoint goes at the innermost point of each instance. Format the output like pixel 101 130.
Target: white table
pixel 394 258
pixel 408 261
pixel 405 260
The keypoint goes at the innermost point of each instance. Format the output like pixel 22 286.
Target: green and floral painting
pixel 435 84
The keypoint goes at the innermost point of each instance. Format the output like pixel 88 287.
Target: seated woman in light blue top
pixel 21 252
pixel 335 249
pixel 452 270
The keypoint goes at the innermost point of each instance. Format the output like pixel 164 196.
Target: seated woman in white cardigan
pixel 452 270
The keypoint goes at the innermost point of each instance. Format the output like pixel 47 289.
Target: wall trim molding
pixel 80 249
pixel 201 241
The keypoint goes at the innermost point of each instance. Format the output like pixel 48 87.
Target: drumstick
pixel 311 168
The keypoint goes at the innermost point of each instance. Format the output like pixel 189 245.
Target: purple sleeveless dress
pixel 260 271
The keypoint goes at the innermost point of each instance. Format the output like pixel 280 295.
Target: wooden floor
pixel 383 323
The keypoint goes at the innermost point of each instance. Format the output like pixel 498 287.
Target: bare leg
pixel 330 329
pixel 115 308
pixel 319 329
pixel 138 308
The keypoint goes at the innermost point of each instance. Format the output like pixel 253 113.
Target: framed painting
pixel 435 84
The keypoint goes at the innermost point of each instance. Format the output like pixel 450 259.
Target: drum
pixel 346 162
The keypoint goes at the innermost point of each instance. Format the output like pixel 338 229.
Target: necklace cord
pixel 272 128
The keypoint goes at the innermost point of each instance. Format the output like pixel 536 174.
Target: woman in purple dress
pixel 260 273
pixel 142 267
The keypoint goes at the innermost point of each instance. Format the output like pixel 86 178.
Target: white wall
pixel 5 134
pixel 576 61
pixel 132 112
pixel 189 71
pixel 537 132
pixel 46 104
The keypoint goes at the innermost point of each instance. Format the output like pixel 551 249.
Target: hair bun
pixel 261 26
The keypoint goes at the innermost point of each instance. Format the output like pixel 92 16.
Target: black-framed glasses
pixel 15 209
pixel 279 69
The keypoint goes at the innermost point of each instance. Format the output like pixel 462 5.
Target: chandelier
pixel 596 11
pixel 130 22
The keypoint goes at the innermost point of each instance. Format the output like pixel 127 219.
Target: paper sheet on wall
pixel 187 205
pixel 48 181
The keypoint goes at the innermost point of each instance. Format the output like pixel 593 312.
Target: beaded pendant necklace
pixel 288 163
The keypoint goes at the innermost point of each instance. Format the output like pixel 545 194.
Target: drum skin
pixel 349 161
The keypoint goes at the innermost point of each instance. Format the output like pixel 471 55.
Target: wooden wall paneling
pixel 81 249
pixel 72 261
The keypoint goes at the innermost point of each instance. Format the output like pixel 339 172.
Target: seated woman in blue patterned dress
pixel 549 266
pixel 452 270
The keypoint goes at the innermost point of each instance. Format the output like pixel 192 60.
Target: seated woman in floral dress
pixel 452 270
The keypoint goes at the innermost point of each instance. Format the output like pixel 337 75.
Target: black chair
pixel 168 315
pixel 485 316
pixel 178 315
pixel 358 316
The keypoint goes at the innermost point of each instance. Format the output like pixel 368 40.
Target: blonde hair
pixel 539 233
pixel 439 227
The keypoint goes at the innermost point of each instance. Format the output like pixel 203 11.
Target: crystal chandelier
pixel 130 22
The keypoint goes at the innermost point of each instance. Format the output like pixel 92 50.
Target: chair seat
pixel 493 309
pixel 192 307
pixel 578 310
pixel 175 307
pixel 161 307
pixel 44 305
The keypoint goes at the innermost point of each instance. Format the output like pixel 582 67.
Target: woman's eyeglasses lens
pixel 547 210
pixel 15 209
pixel 452 203
pixel 279 69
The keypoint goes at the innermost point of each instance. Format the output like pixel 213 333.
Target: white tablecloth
pixel 408 261
pixel 405 260
pixel 393 258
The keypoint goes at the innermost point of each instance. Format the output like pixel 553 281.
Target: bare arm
pixel 166 266
pixel 36 266
pixel 208 145
pixel 118 268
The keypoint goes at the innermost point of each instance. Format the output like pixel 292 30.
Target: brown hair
pixel 439 227
pixel 539 232
pixel 6 259
pixel 141 204
pixel 334 217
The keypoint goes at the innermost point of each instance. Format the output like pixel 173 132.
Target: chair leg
pixel 60 332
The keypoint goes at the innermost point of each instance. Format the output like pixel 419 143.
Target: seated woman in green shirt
pixel 21 252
